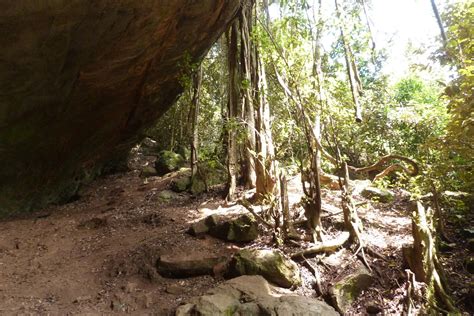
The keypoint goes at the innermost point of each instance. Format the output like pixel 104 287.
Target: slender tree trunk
pixel 248 116
pixel 232 110
pixel 266 167
pixel 440 22
pixel 194 115
pixel 352 72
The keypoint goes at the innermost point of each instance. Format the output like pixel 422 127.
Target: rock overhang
pixel 80 78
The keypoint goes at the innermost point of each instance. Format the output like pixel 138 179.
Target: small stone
pixel 174 289
pixel 167 195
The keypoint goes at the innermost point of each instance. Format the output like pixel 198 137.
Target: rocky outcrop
pixel 252 295
pixel 80 78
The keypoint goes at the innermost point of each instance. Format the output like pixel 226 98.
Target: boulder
pixel 203 226
pixel 182 265
pixel 197 186
pixel 252 295
pixel 346 291
pixel 180 184
pixel 380 195
pixel 241 229
pixel 80 80
pixel 271 264
pixel 168 161
pixel 148 171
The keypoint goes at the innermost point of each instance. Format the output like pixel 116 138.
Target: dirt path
pixel 97 254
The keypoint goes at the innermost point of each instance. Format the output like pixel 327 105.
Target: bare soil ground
pixel 97 255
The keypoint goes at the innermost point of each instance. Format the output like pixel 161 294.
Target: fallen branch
pixel 325 246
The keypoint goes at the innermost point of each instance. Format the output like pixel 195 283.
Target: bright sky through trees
pixel 399 25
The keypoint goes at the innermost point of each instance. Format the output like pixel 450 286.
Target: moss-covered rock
pixel 168 161
pixel 148 171
pixel 203 226
pixel 167 195
pixel 380 195
pixel 346 291
pixel 241 229
pixel 197 186
pixel 271 264
pixel 180 184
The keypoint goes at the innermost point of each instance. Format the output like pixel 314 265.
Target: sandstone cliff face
pixel 80 78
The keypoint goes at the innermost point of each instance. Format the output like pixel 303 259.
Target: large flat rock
pixel 253 295
pixel 80 78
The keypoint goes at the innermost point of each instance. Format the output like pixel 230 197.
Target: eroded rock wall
pixel 80 78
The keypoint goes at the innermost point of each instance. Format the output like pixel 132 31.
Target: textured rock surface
pixel 80 78
pixel 346 291
pixel 271 264
pixel 179 265
pixel 252 295
pixel 241 229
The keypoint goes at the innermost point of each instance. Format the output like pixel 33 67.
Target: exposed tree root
pixel 325 246
pixel 382 161
pixel 423 260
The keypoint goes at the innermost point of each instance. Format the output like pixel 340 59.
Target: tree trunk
pixel 440 22
pixel 232 109
pixel 266 167
pixel 423 260
pixel 248 116
pixel 194 115
pixel 352 72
